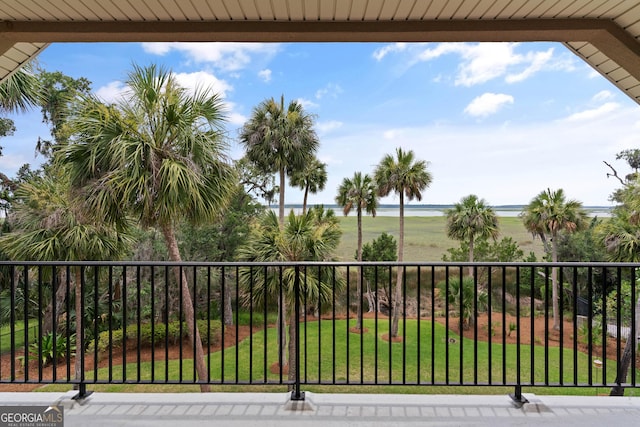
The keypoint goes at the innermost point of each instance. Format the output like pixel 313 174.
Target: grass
pixel 334 355
pixel 425 237
pixel 5 335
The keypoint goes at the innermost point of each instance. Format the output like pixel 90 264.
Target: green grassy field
pixel 5 335
pixel 333 355
pixel 425 237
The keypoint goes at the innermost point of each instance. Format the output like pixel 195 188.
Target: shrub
pixel 462 298
pixel 49 351
pixel 157 335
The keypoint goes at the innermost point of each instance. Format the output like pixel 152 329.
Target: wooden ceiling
pixel 605 33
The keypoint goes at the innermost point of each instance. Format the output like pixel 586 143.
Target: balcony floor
pixel 265 409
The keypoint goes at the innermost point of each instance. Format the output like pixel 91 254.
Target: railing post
pixel 517 397
pixel 296 394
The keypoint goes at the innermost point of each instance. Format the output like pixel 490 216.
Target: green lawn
pixel 425 237
pixel 334 355
pixel 5 335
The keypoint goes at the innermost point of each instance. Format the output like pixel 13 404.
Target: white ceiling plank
pixel 327 10
pixel 296 10
pixel 343 9
pixel 451 10
pixel 629 17
pixel 358 8
pixel 496 9
pixel 609 67
pixel 373 9
pixel 235 11
pixel 249 9
pixel 618 74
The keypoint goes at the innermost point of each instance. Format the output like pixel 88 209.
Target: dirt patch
pixel 507 330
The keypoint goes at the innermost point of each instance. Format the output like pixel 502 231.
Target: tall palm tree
pixel 312 236
pixel 549 214
pixel 279 140
pixel 471 218
pixel 359 192
pixel 158 155
pixel 407 177
pixel 50 224
pixel 311 178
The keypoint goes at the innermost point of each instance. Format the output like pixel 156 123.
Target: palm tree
pixel 311 178
pixel 549 214
pixel 469 219
pixel 20 91
pixel 360 193
pixel 158 155
pixel 279 140
pixel 407 177
pixel 312 236
pixel 50 225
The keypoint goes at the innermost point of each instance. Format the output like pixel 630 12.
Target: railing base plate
pixel 518 399
pixel 82 396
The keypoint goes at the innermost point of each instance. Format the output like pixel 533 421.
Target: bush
pixel 157 335
pixel 462 298
pixel 50 351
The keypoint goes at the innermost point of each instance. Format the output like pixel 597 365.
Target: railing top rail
pixel 325 263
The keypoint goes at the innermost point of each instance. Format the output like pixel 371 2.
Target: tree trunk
pixel 625 360
pixel 395 305
pixel 187 305
pixel 293 355
pixel 359 280
pixel 79 321
pixel 554 284
pixel 281 330
pixel 371 299
pixel 281 199
pixel 470 257
pixel 304 202
pixel 228 310
pixel 57 301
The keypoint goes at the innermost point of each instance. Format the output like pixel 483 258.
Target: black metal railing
pixel 457 324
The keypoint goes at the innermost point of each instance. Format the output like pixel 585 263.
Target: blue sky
pixel 500 120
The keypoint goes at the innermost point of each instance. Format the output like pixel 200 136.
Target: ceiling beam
pixel 609 38
pixel 306 31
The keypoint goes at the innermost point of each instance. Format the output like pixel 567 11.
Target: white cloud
pixel 307 103
pixel 331 89
pixel 536 62
pixel 482 62
pixel 224 56
pixel 487 103
pixel 265 75
pixel 592 114
pixel 203 79
pixel 236 118
pixel 603 95
pixel 112 92
pixel 380 53
pixel 391 134
pixel 326 127
pixel 485 61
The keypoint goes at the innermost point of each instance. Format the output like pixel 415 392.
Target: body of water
pixel 439 210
